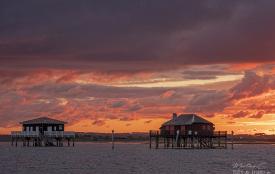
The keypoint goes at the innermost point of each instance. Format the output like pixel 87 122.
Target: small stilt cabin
pixel 187 124
pixel 188 131
pixel 42 131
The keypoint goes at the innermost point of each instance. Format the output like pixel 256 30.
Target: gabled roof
pixel 186 119
pixel 43 120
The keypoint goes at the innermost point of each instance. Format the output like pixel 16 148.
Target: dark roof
pixel 43 120
pixel 186 119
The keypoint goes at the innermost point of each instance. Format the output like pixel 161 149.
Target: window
pixel 60 127
pixel 34 128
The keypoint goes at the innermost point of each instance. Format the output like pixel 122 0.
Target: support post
pixel 172 142
pixel 157 140
pixel 226 138
pixel 150 139
pixel 219 139
pixel 232 139
pixel 177 138
pixel 113 137
pixel 192 142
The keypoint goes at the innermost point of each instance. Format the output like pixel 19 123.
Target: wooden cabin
pixel 43 125
pixel 188 131
pixel 43 131
pixel 187 124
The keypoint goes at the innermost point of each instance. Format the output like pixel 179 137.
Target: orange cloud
pixel 57 94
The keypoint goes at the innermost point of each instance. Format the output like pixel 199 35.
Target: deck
pixel 189 140
pixel 48 138
pixel 33 134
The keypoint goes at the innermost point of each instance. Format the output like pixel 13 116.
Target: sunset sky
pixel 128 65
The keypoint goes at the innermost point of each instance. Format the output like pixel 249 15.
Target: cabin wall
pixel 42 128
pixel 199 129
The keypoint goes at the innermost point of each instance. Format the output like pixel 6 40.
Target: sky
pixel 128 65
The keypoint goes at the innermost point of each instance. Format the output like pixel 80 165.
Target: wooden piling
pixel 225 140
pixel 150 139
pixel 232 139
pixel 219 139
pixel 189 141
pixel 157 140
pixel 113 145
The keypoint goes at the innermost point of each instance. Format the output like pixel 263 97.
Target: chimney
pixel 175 116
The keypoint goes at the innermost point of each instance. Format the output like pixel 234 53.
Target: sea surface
pixel 93 158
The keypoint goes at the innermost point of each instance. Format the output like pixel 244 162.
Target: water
pixel 90 158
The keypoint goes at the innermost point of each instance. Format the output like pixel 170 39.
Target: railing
pixel 52 134
pixel 69 134
pixel 153 132
pixel 220 133
pixel 16 133
pixel 25 134
pixel 193 133
pixel 59 134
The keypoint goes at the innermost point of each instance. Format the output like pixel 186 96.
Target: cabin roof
pixel 43 120
pixel 186 119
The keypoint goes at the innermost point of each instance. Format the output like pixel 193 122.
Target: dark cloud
pixel 209 103
pixel 118 104
pixel 99 122
pixel 259 114
pixel 148 121
pixel 247 114
pixel 240 114
pixel 231 122
pixel 252 85
pixel 216 101
pixel 134 35
pixel 134 107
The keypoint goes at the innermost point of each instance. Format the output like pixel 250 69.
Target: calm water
pixel 90 158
